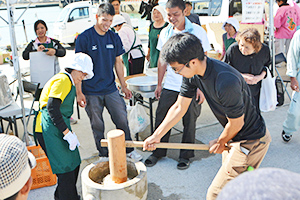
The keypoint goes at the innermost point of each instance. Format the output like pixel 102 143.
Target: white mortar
pixel 134 189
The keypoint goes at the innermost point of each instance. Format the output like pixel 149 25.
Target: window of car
pixel 208 7
pixel 79 13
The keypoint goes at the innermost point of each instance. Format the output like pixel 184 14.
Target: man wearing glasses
pixel 168 94
pixel 229 98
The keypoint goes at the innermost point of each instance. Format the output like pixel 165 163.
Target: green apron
pixel 153 40
pixel 61 158
pixel 125 55
pixel 228 42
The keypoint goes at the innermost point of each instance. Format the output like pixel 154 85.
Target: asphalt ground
pixel 165 181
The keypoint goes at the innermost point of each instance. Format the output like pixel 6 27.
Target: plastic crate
pixel 42 175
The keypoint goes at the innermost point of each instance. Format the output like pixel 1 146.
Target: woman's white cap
pixel 161 10
pixel 234 22
pixel 83 62
pixel 117 20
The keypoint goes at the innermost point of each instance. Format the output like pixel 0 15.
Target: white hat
pixel 234 22
pixel 117 20
pixel 83 62
pixel 161 10
pixel 15 165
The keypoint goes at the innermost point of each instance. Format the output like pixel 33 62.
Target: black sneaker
pixel 286 137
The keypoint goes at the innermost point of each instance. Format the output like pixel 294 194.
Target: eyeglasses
pixel 178 71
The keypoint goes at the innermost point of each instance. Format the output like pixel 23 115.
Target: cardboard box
pixel 1 59
pixel 6 55
pixel 214 54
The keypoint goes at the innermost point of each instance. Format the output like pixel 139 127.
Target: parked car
pixel 63 3
pixel 73 20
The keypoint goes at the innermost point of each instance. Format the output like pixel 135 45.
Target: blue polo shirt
pixel 103 49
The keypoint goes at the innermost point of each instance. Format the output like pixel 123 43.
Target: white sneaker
pixel 134 155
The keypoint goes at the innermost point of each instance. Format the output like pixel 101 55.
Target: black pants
pixel 66 186
pixel 167 99
pixel 39 137
pixel 136 66
pixel 255 92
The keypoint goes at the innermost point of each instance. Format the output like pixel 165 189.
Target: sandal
pixel 151 161
pixel 183 163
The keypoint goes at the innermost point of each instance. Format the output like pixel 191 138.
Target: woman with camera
pixel 46 44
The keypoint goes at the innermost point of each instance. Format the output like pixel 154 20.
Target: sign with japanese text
pixel 252 11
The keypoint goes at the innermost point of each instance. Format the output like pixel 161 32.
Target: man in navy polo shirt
pixel 105 48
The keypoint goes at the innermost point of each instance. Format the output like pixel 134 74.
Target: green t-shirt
pixel 153 39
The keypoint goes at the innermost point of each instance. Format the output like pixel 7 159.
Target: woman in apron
pixel 56 108
pixel 134 56
pixel 158 23
pixel 231 26
pixel 43 43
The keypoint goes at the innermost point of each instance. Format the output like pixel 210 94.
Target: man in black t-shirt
pixel 229 98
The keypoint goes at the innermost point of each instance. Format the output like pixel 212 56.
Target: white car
pixel 73 20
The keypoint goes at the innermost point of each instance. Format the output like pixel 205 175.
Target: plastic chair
pixel 9 114
pixel 8 108
pixel 13 112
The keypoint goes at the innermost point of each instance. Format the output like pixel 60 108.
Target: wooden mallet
pixel 165 145
pixel 117 155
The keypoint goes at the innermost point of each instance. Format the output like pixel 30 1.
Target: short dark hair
pixel 39 22
pixel 176 3
pixel 284 1
pixel 188 2
pixel 182 48
pixel 69 70
pixel 106 8
pixel 110 1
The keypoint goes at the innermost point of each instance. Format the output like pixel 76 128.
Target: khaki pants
pixel 237 160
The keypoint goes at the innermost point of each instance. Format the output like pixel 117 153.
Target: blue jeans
pixel 117 110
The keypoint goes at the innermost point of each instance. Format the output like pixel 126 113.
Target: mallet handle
pixel 163 145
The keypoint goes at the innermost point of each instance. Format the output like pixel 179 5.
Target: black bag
pixel 280 91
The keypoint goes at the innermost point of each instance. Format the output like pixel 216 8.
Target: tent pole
pixel 15 59
pixel 271 34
